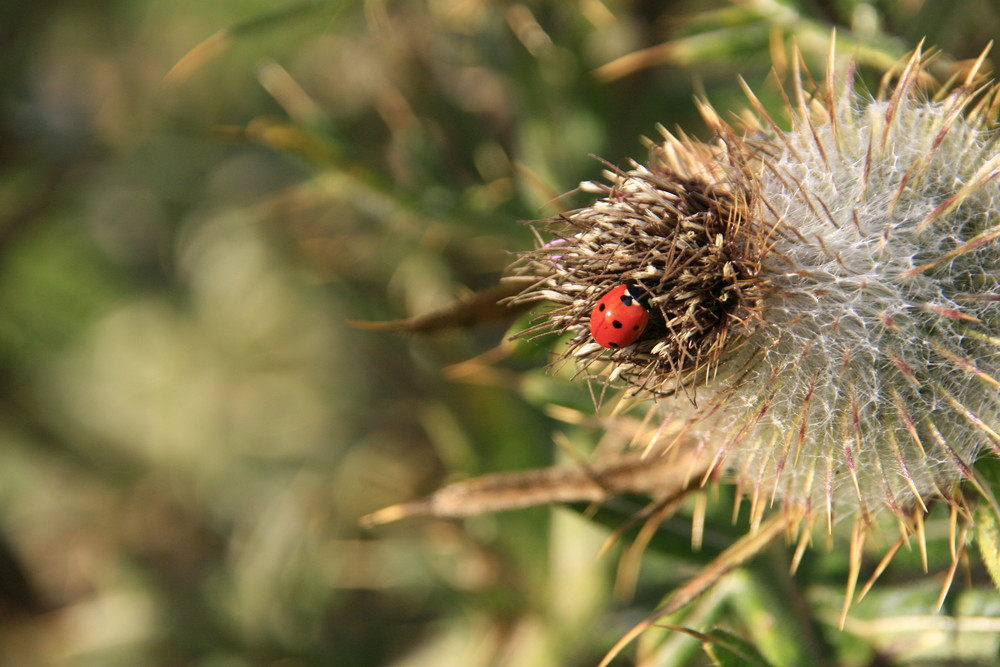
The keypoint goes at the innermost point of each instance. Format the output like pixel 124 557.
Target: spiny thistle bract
pixel 823 299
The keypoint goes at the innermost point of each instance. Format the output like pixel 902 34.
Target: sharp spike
pixel 957 552
pixel 880 568
pixel 904 469
pixel 805 539
pixel 857 545
pixel 737 503
pixel 698 520
pixel 654 439
pixel 804 418
pixel 853 439
pixel 762 112
pixel 974 70
pixel 828 496
pixel 709 115
pixel 630 562
pixel 986 173
pixel 756 511
pixel 869 152
pixel 952 529
pixel 921 533
pixel 972 418
pixel 904 87
pixel 905 528
pixel 829 95
pixel 904 414
pixel 965 364
pixel 806 116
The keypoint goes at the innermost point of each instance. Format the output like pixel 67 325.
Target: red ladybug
pixel 619 318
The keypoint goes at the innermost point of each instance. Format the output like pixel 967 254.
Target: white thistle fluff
pixel 845 354
pixel 877 384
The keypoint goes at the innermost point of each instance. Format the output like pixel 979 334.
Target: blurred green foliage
pixel 190 430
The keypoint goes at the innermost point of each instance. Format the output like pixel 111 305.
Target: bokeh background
pixel 189 427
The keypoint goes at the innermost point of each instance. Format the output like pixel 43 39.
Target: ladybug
pixel 619 318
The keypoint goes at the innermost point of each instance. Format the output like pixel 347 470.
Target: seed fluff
pixel 823 298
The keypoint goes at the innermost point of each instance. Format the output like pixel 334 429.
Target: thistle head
pixel 823 299
pixel 678 236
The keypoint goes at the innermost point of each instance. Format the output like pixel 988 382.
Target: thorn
pixel 857 544
pixel 904 530
pixel 805 539
pixel 950 313
pixel 884 563
pixel 957 552
pixel 804 418
pixel 756 509
pixel 831 108
pixel 904 469
pixel 759 108
pixel 952 528
pixel 974 70
pixel 698 520
pixel 903 87
pixel 918 522
pixel 965 364
pixel 904 414
pixel 972 418
pixel 903 367
pixel 855 430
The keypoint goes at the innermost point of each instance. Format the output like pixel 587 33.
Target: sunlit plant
pixel 822 299
pixel 821 290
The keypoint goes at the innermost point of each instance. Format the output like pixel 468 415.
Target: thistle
pixel 821 325
pixel 823 299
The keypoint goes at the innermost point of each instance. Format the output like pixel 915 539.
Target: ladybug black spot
pixel 601 308
pixel 616 324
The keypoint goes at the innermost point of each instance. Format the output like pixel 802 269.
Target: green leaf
pixel 724 648
pixel 988 536
pixel 728 650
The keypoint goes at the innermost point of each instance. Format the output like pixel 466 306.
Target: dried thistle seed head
pixel 681 242
pixel 829 293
